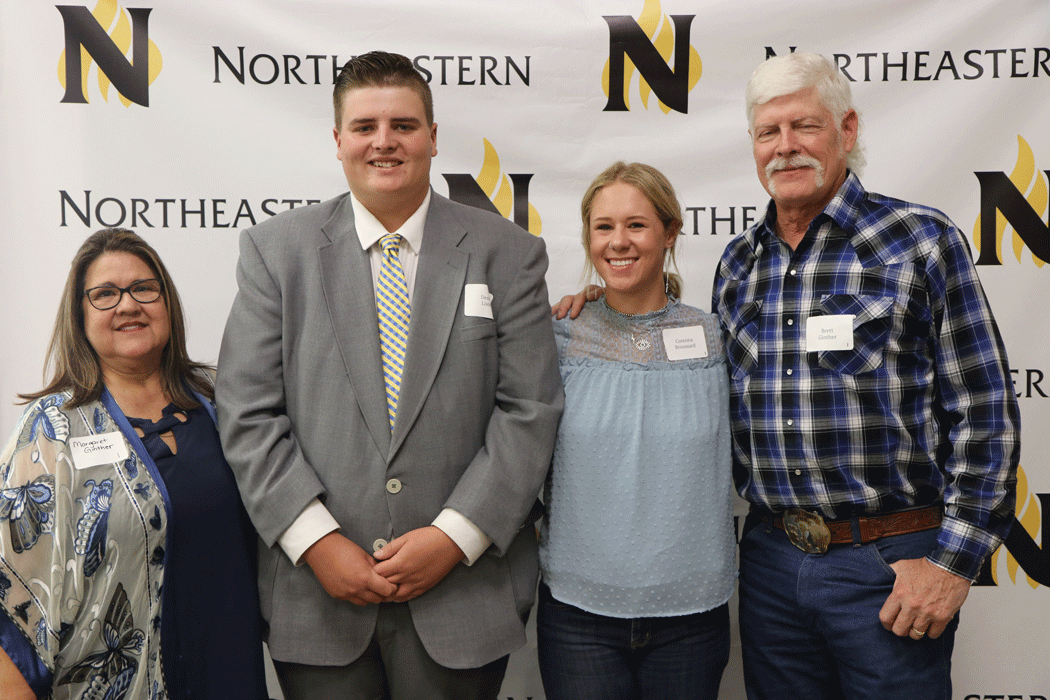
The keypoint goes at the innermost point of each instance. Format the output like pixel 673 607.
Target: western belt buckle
pixel 807 531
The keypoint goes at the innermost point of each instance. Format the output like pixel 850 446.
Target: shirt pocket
pixel 872 322
pixel 742 338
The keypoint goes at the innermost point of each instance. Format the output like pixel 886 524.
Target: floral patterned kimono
pixel 82 533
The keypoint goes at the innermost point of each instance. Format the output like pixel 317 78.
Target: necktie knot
pixel 391 243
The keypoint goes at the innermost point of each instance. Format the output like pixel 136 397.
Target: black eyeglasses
pixel 107 296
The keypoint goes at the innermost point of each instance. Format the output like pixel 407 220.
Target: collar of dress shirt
pixel 369 230
pixel 843 210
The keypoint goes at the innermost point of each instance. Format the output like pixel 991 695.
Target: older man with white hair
pixel 875 432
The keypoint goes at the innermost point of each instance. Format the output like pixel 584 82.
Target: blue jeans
pixel 584 656
pixel 809 623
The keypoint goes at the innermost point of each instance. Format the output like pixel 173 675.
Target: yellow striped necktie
pixel 394 314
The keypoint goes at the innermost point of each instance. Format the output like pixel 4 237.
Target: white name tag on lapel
pixel 477 301
pixel 688 343
pixel 93 450
pixel 829 333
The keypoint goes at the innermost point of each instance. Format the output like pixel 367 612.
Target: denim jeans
pixel 584 656
pixel 809 623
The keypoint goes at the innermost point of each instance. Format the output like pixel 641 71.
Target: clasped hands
pixel 402 570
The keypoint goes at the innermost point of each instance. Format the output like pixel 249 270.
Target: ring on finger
pixel 918 634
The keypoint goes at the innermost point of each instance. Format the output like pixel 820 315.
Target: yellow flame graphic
pixel 650 22
pixel 492 178
pixel 104 13
pixel 1028 515
pixel 1025 178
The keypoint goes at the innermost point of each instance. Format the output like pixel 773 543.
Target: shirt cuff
pixel 464 533
pixel 312 524
pixel 962 548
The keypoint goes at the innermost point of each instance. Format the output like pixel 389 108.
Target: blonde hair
pixel 74 364
pixel 658 190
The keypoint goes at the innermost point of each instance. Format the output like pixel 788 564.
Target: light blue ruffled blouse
pixel 639 496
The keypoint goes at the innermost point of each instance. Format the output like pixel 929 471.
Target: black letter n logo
pixel 130 78
pixel 998 193
pixel 465 189
pixel 626 38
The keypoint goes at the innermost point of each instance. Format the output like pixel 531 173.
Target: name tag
pixel 829 333
pixel 477 301
pixel 94 450
pixel 688 343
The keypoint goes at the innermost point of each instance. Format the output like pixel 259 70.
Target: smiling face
pixel 628 243
pixel 130 337
pixel 800 151
pixel 385 145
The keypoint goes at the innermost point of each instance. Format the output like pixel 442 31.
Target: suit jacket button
pixel 378 544
pixel 393 486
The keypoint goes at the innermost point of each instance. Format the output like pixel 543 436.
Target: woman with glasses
pixel 126 566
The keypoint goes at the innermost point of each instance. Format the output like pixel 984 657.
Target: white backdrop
pixel 233 122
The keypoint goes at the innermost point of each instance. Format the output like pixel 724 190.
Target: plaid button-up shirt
pixel 921 409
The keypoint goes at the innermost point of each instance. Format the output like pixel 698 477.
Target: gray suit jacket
pixel 302 414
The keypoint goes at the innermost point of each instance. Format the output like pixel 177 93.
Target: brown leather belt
pixel 811 533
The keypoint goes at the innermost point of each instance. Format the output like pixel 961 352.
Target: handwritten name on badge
pixel 829 333
pixel 477 301
pixel 688 343
pixel 93 450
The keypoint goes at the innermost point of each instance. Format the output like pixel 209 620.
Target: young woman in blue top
pixel 637 548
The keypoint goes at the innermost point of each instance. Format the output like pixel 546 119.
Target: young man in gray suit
pixel 389 406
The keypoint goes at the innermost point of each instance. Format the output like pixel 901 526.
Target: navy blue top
pixel 210 622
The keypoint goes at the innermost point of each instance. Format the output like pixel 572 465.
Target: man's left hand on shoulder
pixel 417 561
pixel 924 600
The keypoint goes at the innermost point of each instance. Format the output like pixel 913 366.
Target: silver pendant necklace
pixel 641 342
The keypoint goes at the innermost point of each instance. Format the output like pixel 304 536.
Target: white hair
pixel 784 75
